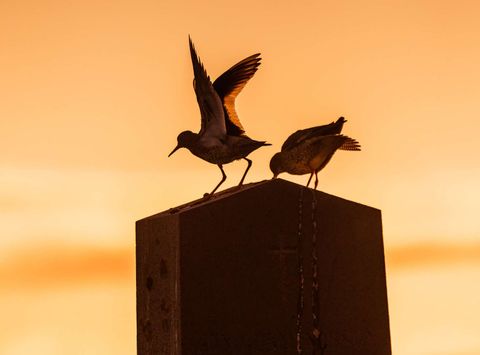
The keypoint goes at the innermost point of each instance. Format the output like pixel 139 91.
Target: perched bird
pixel 222 138
pixel 307 151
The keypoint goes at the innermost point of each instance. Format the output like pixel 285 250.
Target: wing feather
pixel 302 135
pixel 350 144
pixel 211 109
pixel 230 84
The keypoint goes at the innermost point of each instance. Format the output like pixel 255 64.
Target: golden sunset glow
pixel 94 93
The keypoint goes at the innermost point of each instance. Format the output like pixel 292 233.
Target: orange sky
pixel 94 93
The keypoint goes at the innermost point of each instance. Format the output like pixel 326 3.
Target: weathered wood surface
pixel 221 277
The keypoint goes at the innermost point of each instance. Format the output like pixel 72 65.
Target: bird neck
pixel 189 140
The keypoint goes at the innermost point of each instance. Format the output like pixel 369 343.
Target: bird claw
pixel 173 210
pixel 207 196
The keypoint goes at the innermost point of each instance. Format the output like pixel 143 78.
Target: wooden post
pixel 222 276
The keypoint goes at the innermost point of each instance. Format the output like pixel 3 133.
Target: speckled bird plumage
pixel 309 150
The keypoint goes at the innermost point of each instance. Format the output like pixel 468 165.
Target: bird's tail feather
pixel 350 144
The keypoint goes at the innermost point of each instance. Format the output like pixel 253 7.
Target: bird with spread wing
pixel 308 151
pixel 221 138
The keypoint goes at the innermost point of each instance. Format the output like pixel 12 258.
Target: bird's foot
pixel 207 196
pixel 173 210
pixel 238 187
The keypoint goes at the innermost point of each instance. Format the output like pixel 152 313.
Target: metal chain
pixel 301 280
pixel 318 345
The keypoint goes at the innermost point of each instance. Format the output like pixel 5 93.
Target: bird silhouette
pixel 308 151
pixel 221 138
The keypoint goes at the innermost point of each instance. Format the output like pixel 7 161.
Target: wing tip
pixel 193 51
pixel 190 42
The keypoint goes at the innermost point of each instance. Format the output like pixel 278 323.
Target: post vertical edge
pixel 384 276
pixel 157 282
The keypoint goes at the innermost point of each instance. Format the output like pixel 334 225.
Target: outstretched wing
pixel 303 134
pixel 228 86
pixel 211 108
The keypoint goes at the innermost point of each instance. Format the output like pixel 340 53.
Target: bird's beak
pixel 173 151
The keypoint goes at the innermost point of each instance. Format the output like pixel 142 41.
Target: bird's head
pixel 184 140
pixel 276 165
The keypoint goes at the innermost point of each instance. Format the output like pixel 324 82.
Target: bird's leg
pixel 246 171
pixel 309 179
pixel 316 179
pixel 224 177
